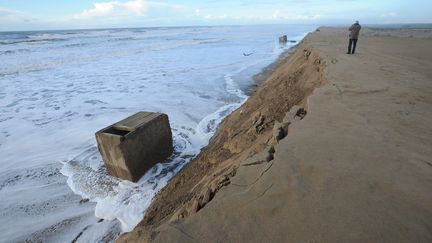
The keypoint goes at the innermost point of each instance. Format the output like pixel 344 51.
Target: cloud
pixel 98 10
pixel 117 8
pixel 5 12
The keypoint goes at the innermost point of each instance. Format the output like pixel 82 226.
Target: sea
pixel 57 88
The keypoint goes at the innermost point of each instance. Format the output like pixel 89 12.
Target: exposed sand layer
pixel 356 168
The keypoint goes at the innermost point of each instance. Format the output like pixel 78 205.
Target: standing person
pixel 353 37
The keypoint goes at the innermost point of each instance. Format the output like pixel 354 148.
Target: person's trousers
pixel 352 44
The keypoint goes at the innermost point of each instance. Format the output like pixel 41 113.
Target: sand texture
pixel 331 148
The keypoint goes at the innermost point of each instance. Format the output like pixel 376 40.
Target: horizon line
pixel 220 25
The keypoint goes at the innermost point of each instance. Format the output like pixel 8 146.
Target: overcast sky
pixel 71 14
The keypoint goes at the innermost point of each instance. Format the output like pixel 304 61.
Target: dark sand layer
pixel 357 168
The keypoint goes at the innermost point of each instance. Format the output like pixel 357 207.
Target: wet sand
pixel 331 148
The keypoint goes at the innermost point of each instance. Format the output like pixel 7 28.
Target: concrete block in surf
pixel 132 146
pixel 283 39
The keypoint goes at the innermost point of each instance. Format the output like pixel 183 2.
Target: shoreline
pixel 348 163
pixel 184 204
pixel 259 79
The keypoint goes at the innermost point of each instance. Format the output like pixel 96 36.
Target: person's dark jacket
pixel 355 30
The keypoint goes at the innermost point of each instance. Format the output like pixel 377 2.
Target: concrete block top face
pixel 135 121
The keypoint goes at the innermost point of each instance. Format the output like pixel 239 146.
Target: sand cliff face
pixel 246 137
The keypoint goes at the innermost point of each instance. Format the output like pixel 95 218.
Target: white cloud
pixel 135 7
pixel 98 10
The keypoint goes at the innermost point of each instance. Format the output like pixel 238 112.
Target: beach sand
pixel 331 148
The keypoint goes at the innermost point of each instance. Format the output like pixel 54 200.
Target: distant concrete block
pixel 283 39
pixel 132 146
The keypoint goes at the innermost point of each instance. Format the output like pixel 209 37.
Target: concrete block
pixel 283 39
pixel 132 146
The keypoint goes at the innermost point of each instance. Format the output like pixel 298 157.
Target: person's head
pixel 357 22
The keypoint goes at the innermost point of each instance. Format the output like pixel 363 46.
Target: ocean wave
pixel 13 36
pixel 27 69
pixel 11 42
pixel 11 52
pixel 204 41
pixel 76 45
pixel 122 39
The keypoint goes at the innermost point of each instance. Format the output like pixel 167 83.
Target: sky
pixel 78 14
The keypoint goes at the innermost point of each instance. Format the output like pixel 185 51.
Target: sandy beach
pixel 330 148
